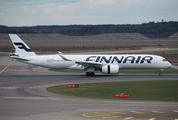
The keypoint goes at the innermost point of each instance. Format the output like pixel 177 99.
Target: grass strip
pixel 165 90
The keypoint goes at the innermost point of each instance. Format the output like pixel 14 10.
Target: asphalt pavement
pixel 23 96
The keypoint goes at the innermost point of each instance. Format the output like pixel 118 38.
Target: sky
pixel 86 12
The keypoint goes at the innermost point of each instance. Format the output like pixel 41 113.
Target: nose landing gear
pixel 160 73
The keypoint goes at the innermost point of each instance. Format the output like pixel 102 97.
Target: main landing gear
pixel 90 73
pixel 160 73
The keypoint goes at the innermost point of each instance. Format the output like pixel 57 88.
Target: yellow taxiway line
pixel 5 68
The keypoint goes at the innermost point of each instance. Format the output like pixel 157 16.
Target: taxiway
pixel 23 95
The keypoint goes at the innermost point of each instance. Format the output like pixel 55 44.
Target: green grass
pixel 166 90
pixel 158 52
pixel 142 71
pixel 2 54
pixel 61 43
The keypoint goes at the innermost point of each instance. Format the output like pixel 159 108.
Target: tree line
pixel 151 29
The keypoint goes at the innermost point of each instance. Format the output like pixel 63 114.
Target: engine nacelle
pixel 110 69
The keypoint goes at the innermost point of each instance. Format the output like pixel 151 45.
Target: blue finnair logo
pixel 22 46
pixel 122 59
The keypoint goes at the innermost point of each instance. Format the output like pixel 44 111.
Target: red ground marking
pixel 8 87
pixel 122 95
pixel 16 70
pixel 71 85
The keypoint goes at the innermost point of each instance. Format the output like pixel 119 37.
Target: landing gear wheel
pixel 87 73
pixel 90 73
pixel 160 73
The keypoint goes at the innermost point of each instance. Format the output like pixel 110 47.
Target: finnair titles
pixel 111 59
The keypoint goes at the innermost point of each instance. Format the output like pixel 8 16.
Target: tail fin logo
pixel 22 46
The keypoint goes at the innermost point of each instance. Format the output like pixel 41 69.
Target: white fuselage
pixel 131 61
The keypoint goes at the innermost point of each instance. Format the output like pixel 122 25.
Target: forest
pixel 151 29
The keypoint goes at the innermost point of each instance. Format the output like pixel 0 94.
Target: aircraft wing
pixel 89 64
pixel 83 64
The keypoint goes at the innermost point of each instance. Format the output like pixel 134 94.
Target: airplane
pixel 107 64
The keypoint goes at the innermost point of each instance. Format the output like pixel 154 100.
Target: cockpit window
pixel 164 60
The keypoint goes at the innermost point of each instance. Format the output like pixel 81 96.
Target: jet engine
pixel 110 69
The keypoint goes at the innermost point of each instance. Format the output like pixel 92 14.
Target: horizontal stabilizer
pixel 18 58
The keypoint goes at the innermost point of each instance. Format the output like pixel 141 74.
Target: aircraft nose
pixel 169 64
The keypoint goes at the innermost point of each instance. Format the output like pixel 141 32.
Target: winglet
pixel 61 55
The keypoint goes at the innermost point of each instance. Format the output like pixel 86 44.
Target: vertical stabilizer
pixel 21 48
